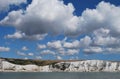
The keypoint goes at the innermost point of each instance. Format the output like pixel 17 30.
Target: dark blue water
pixel 59 75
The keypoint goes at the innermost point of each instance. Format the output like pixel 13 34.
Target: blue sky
pixel 60 29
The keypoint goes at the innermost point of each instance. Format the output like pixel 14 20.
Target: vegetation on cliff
pixel 30 61
pixel 36 62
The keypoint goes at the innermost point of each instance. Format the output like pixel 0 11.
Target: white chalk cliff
pixel 76 66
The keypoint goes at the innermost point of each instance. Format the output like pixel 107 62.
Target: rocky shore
pixel 73 66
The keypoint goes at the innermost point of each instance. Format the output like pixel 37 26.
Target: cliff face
pixel 77 66
pixel 87 66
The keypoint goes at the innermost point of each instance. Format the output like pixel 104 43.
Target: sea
pixel 59 75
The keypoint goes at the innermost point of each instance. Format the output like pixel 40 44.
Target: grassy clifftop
pixel 36 62
pixel 30 61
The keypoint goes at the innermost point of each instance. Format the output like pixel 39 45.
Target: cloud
pixel 39 19
pixel 39 46
pixel 55 45
pixel 35 37
pixel 100 25
pixel 24 48
pixel 66 48
pixel 102 37
pixel 5 4
pixel 19 35
pixel 93 50
pixel 74 44
pixel 105 15
pixel 72 51
pixel 21 53
pixel 4 49
pixel 83 42
pixel 63 47
pixel 59 58
pixel 89 44
pixel 26 58
pixel 113 50
pixel 47 52
pixel 16 35
pixel 38 57
pixel 30 54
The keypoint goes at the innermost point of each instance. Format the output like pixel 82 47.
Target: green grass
pixel 36 62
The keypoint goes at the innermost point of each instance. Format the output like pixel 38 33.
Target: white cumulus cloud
pixel 19 35
pixel 24 48
pixel 55 44
pixel 47 52
pixel 101 26
pixel 21 53
pixel 30 54
pixel 5 4
pixel 4 49
pixel 39 19
pixel 93 50
pixel 41 46
pixel 59 57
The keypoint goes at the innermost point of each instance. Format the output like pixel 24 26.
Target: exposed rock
pixel 8 66
pixel 76 66
pixel 19 68
pixel 59 66
pixel 44 69
pixel 27 68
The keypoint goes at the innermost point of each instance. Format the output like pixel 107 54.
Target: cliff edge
pixel 66 66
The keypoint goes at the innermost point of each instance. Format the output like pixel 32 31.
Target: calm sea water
pixel 58 75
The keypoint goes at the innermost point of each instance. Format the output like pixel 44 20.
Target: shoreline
pixel 53 72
